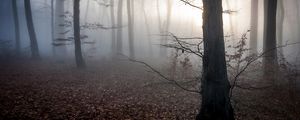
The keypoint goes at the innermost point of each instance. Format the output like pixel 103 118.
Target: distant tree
pixel 33 40
pixel 254 25
pixel 60 38
pixel 120 27
pixel 281 16
pixel 78 53
pixel 113 31
pixel 270 58
pixel 216 103
pixel 17 26
pixel 130 15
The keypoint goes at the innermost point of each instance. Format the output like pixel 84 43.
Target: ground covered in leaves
pixel 117 90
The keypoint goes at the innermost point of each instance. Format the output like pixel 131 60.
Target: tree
pixel 33 40
pixel 120 27
pixel 113 31
pixel 215 85
pixel 78 53
pixel 130 16
pixel 17 26
pixel 281 16
pixel 254 25
pixel 60 49
pixel 270 58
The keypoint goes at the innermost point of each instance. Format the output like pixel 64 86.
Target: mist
pixel 149 59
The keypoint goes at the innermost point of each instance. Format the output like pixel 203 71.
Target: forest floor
pixel 119 90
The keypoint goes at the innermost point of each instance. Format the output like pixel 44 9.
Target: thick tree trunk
pixel 33 40
pixel 113 31
pixel 254 25
pixel 130 28
pixel 120 28
pixel 17 27
pixel 270 58
pixel 215 85
pixel 78 53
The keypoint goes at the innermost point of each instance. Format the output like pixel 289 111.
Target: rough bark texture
pixel 78 53
pixel 33 40
pixel 270 58
pixel 215 85
pixel 130 28
pixel 17 26
pixel 254 25
pixel 120 28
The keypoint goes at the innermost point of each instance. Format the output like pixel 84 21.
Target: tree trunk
pixel 215 85
pixel 59 29
pixel 52 25
pixel 78 54
pixel 270 58
pixel 281 16
pixel 113 31
pixel 120 28
pixel 33 40
pixel 130 28
pixel 17 27
pixel 147 28
pixel 254 25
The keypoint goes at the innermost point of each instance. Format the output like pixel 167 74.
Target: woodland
pixel 150 59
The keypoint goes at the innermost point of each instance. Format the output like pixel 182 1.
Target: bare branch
pixel 163 76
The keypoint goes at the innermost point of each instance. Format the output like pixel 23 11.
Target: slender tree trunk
pixel 120 28
pixel 215 85
pixel 78 53
pixel 254 25
pixel 52 26
pixel 270 58
pixel 113 31
pixel 33 40
pixel 147 28
pixel 59 29
pixel 281 16
pixel 130 28
pixel 17 27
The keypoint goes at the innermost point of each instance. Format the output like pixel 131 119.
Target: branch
pixel 253 60
pixel 163 76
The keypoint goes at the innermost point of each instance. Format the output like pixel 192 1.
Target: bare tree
pixel 113 31
pixel 215 85
pixel 33 40
pixel 281 16
pixel 254 25
pixel 17 26
pixel 120 27
pixel 130 15
pixel 270 59
pixel 78 53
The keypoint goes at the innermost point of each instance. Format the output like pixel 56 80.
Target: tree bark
pixel 254 25
pixel 270 58
pixel 17 27
pixel 215 85
pixel 33 40
pixel 78 53
pixel 130 28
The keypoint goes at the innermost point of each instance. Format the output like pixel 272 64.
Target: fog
pixel 156 25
